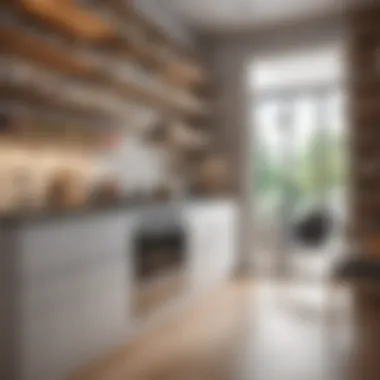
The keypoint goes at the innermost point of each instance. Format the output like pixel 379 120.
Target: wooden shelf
pixel 85 25
pixel 75 20
pixel 153 45
pixel 118 25
pixel 33 48
pixel 20 75
pixel 179 71
pixel 187 138
pixel 17 42
pixel 127 10
pixel 98 35
pixel 22 95
pixel 32 108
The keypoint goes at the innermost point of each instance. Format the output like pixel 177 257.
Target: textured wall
pixel 162 16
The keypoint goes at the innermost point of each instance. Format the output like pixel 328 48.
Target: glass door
pixel 299 177
pixel 270 181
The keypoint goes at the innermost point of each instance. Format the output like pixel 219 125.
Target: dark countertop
pixel 92 210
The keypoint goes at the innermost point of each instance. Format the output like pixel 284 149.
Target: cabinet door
pixel 225 241
pixel 212 244
pixel 74 296
pixel 81 317
pixel 197 249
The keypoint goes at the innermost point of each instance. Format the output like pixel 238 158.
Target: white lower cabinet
pixel 70 284
pixel 212 234
pixel 73 308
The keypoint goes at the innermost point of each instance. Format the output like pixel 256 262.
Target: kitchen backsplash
pixel 26 172
pixel 140 167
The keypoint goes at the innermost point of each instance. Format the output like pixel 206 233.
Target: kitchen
pixel 115 193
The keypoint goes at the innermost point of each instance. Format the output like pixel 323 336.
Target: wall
pixel 138 165
pixel 364 90
pixel 28 171
pixel 228 56
pixel 158 13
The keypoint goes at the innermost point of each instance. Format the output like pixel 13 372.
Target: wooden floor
pixel 260 331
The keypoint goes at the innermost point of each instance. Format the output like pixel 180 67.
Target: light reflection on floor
pixel 261 330
pixel 292 329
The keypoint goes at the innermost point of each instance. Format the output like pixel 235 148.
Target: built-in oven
pixel 159 260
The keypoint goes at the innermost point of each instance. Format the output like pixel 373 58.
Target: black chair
pixel 312 229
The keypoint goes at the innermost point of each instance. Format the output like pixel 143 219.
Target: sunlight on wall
pixel 315 67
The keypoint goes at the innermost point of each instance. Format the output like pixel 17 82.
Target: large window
pixel 300 149
pixel 299 140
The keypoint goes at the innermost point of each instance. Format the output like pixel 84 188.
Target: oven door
pixel 160 248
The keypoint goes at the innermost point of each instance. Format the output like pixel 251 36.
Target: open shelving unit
pixel 107 44
pixel 102 68
pixel 148 40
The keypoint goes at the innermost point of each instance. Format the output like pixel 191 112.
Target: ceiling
pixel 217 15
